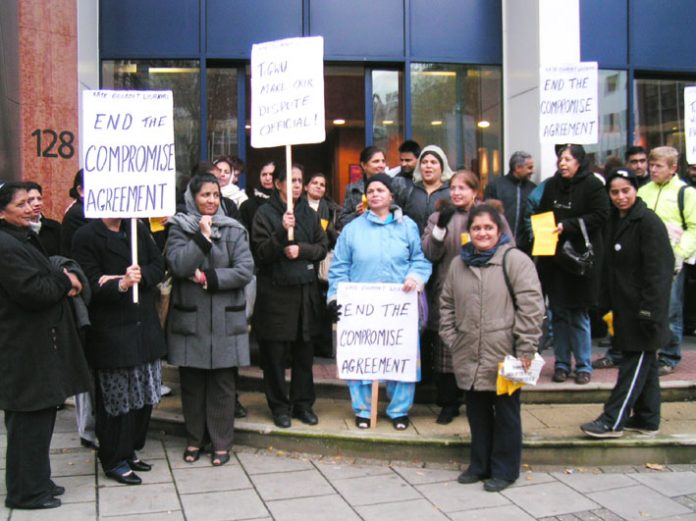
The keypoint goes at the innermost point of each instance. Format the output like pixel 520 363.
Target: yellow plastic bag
pixel 505 386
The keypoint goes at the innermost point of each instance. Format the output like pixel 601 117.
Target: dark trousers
pixel 447 391
pixel 208 401
pixel 637 389
pixel 274 356
pixel 28 471
pixel 496 434
pixel 119 436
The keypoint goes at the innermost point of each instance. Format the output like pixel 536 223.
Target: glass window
pixel 659 112
pixel 222 112
pixel 179 76
pixel 387 113
pixel 458 107
pixel 612 90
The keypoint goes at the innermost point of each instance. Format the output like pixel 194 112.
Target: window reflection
pixel 458 107
pixel 387 110
pixel 612 90
pixel 179 76
pixel 222 112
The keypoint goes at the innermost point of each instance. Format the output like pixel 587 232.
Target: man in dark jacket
pixel 512 190
pixel 636 285
pixel 637 160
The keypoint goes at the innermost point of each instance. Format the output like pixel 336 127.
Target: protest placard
pixel 377 335
pixel 287 92
pixel 127 145
pixel 568 111
pixel 690 123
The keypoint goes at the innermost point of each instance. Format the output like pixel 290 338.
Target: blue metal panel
pixel 359 28
pixel 663 34
pixel 148 28
pixel 604 32
pixel 234 25
pixel 466 31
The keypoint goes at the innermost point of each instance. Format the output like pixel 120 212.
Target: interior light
pixel 173 70
pixel 387 122
pixel 483 124
pixel 436 123
pixel 248 127
pixel 339 121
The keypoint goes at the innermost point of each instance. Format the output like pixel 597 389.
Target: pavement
pixel 270 484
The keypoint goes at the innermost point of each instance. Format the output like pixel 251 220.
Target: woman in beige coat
pixel 482 319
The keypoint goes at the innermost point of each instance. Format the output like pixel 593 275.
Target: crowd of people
pixel 269 259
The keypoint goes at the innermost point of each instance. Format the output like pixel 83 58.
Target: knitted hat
pixel 383 178
pixel 624 173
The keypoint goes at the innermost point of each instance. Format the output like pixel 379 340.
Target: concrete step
pixel 551 434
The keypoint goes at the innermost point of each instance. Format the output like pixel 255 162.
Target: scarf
pixel 472 257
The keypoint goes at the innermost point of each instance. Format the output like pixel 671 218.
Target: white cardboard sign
pixel 127 146
pixel 568 108
pixel 377 335
pixel 287 92
pixel 690 123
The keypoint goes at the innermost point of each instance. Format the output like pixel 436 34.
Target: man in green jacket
pixel 662 195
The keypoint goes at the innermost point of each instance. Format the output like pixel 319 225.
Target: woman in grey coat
pixel 209 258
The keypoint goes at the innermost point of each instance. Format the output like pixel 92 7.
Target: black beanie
pixel 383 178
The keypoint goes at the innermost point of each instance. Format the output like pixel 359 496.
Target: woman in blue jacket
pixel 381 245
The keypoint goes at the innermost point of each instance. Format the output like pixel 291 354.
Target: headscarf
pixel 447 172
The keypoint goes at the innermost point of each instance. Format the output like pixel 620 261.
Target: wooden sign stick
pixel 288 186
pixel 134 252
pixel 373 404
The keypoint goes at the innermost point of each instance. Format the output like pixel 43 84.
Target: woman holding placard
pixel 444 236
pixel 491 306
pixel 288 302
pixel 209 257
pixel 381 245
pixel 125 341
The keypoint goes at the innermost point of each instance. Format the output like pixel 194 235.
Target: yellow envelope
pixel 324 224
pixel 609 319
pixel 156 224
pixel 505 386
pixel 545 236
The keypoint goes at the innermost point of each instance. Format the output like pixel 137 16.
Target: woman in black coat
pixel 572 193
pixel 637 281
pixel 125 342
pixel 288 302
pixel 40 352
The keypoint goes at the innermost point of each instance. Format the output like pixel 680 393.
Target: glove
pixel 333 310
pixel 445 216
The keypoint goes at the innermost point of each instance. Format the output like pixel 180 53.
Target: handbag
pixel 577 263
pixel 324 266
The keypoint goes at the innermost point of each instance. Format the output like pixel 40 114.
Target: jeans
pixel 400 394
pixel 571 334
pixel 671 354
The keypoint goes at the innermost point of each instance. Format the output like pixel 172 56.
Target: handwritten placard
pixel 690 123
pixel 287 92
pixel 127 147
pixel 568 103
pixel 377 335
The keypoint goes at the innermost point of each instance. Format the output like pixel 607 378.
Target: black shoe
pixel 559 375
pixel 239 410
pixel 282 420
pixel 139 465
pixel 599 429
pixel 49 503
pixel 632 424
pixel 127 477
pixel 57 490
pixel 466 478
pixel 496 484
pixel 306 416
pixel 88 444
pixel 447 414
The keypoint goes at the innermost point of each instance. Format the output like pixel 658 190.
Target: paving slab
pixel 78 489
pixel 586 483
pixel 142 499
pixel 638 503
pixel 196 480
pixel 268 464
pixel 375 489
pixel 670 484
pixel 288 485
pixel 69 512
pixel 452 496
pixel 416 510
pixel 76 463
pixel 417 476
pixel 334 471
pixel 154 449
pixel 504 513
pixel 223 506
pixel 331 507
pixel 172 515
pixel 549 499
pixel 529 477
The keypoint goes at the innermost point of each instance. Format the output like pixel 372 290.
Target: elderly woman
pixel 573 193
pixel 209 257
pixel 442 241
pixel 40 352
pixel 637 281
pixel 372 161
pixel 491 306
pixel 288 302
pixel 381 245
pixel 125 342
